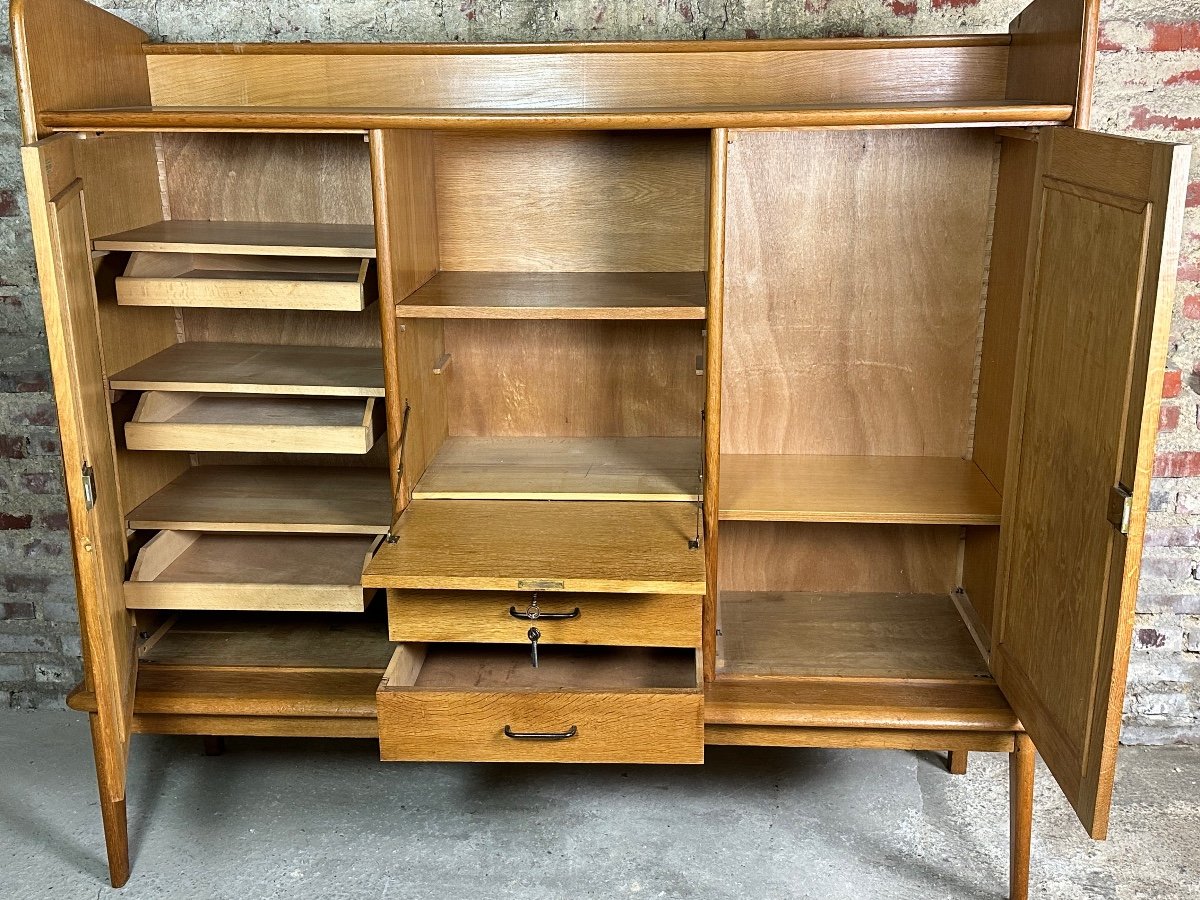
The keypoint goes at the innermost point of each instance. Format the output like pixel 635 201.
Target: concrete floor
pixel 324 819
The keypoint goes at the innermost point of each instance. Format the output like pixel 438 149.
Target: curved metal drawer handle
pixel 540 735
pixel 550 616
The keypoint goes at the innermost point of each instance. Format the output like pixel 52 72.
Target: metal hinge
pixel 89 486
pixel 1120 508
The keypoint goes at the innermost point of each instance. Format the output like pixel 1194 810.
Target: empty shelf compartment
pixel 558 295
pixel 845 635
pixel 220 368
pixel 185 420
pixel 554 468
pixel 246 282
pixel 285 573
pixel 279 499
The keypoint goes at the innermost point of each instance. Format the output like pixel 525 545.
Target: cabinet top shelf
pixel 361 119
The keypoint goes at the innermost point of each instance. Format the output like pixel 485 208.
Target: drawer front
pixel 628 620
pixel 470 726
pixel 235 293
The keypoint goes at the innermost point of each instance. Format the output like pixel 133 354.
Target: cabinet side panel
pixel 1053 54
pixel 854 264
pixel 71 55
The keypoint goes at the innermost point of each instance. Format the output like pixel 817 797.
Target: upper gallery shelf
pixel 358 119
pixel 917 490
pixel 250 238
pixel 558 295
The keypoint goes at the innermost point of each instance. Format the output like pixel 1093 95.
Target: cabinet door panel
pixel 64 261
pixel 1095 326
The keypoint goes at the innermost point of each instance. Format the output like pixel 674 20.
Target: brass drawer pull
pixel 540 735
pixel 534 613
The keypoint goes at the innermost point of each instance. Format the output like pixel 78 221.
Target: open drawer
pixel 292 573
pixel 627 620
pixel 245 282
pixel 187 420
pixel 486 703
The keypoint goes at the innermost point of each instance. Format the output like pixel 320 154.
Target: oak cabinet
pixel 797 402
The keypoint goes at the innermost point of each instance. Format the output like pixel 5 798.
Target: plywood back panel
pixel 918 70
pixel 598 201
pixel 268 177
pixel 853 285
pixel 791 556
pixel 573 379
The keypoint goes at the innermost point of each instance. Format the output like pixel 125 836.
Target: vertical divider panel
pixel 406 238
pixel 712 398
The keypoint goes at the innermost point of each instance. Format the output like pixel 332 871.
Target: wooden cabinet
pixel 811 405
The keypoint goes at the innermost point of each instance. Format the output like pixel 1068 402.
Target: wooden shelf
pixel 248 238
pixel 884 489
pixel 296 573
pixel 848 703
pixel 558 295
pixel 538 546
pixel 481 468
pixel 342 119
pixel 876 636
pixel 235 281
pixel 276 499
pixel 258 369
pixel 184 420
pixel 259 673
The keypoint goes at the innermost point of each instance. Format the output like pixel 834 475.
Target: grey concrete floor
pixel 325 819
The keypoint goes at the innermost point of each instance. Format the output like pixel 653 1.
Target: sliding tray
pixel 186 420
pixel 235 281
pixel 283 573
pixel 486 703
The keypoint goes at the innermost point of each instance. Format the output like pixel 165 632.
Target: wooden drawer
pixel 486 703
pixel 293 573
pixel 628 620
pixel 245 282
pixel 187 420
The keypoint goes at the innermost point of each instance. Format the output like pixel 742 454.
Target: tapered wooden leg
pixel 112 809
pixel 957 762
pixel 214 745
pixel 1020 820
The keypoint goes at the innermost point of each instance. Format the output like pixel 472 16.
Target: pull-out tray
pixel 186 420
pixel 486 703
pixel 292 573
pixel 235 281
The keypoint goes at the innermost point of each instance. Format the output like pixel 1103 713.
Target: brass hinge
pixel 1120 508
pixel 89 486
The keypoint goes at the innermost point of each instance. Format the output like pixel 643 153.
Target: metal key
pixel 534 636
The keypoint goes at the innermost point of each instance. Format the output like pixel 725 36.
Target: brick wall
pixel 1148 83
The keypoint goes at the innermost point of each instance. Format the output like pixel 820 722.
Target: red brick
pixel 15 584
pixel 1143 118
pixel 17 610
pixel 1191 76
pixel 1172 383
pixel 40 482
pixel 1149 637
pixel 1191 306
pixel 1193 194
pixel 10 522
pixel 13 446
pixel 1106 44
pixel 1168 418
pixel 1173 537
pixel 54 521
pixel 1174 36
pixel 1179 464
pixel 9 206
pixel 904 8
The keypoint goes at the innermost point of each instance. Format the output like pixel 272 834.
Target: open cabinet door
pixel 64 262
pixel 1104 247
